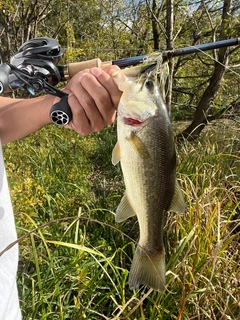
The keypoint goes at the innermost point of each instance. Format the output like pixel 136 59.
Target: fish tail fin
pixel 147 269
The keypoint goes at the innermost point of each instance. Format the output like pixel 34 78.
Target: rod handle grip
pixel 71 69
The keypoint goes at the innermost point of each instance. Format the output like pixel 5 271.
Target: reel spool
pixel 41 53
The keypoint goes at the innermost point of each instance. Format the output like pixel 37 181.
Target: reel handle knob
pixel 4 74
pixel 60 113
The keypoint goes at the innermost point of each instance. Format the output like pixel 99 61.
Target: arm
pixel 93 99
pixel 20 117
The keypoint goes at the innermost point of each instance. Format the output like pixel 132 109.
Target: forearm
pixel 92 96
pixel 20 117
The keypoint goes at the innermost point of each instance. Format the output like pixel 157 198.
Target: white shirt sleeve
pixel 9 302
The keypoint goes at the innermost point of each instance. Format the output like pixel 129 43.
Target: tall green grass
pixel 74 258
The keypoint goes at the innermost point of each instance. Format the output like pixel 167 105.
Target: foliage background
pixel 117 29
pixel 74 258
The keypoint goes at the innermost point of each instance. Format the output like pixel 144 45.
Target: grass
pixel 74 258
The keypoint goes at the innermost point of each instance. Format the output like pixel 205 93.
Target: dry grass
pixel 74 264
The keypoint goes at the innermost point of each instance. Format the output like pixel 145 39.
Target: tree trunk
pixel 169 32
pixel 156 33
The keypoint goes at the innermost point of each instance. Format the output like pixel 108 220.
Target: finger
pixel 105 79
pixel 100 95
pixel 80 122
pixel 85 112
pixel 111 69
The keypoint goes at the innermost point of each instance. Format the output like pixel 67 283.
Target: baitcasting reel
pixel 34 68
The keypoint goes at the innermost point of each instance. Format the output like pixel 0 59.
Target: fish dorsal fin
pixel 138 146
pixel 178 204
pixel 124 210
pixel 116 154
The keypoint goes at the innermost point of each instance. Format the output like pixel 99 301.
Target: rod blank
pixel 123 63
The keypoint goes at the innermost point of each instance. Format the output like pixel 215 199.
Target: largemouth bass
pixel 146 151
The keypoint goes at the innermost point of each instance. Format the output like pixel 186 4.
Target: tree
pixel 118 28
pixel 169 42
pixel 23 20
pixel 201 118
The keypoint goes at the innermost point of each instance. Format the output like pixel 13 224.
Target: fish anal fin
pixel 147 269
pixel 138 146
pixel 178 204
pixel 116 154
pixel 124 210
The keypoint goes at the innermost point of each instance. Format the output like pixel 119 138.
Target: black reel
pixel 41 53
pixel 38 48
pixel 34 68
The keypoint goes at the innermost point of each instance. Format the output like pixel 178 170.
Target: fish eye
pixel 149 84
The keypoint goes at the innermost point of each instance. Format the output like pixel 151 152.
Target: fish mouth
pixel 133 122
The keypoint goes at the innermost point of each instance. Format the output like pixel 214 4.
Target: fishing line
pixel 208 55
pixel 191 12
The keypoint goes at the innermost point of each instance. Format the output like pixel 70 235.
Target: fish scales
pixel 146 151
pixel 150 182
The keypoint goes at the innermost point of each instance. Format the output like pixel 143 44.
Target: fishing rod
pixel 35 68
pixel 69 70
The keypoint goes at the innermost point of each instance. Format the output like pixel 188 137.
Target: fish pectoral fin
pixel 178 204
pixel 116 154
pixel 138 146
pixel 124 210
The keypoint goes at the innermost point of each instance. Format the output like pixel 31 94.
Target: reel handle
pixel 4 74
pixel 60 113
